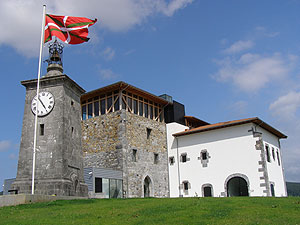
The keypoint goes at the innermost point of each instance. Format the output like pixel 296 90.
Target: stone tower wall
pixel 59 161
pixel 108 142
pixel 137 171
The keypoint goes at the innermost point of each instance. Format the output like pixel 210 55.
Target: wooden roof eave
pixel 124 86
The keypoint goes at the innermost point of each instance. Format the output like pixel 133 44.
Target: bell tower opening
pixel 55 65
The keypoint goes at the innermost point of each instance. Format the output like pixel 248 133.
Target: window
pixel 155 113
pixel 135 106
pixel 102 104
pixel 151 112
pixel 273 153
pixel 90 110
pixel 96 108
pixel 109 102
pixel 129 102
pixel 278 159
pixel 183 157
pixel 146 110
pixel 204 155
pixel 185 186
pixel 155 158
pixel 72 103
pixel 134 155
pixel 141 112
pixel 272 190
pixel 98 185
pixel 148 132
pixel 42 129
pixel 112 102
pixel 124 106
pixel 268 153
pixel 83 111
pixel 117 104
pixel 172 160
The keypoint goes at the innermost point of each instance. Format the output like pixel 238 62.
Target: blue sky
pixel 223 60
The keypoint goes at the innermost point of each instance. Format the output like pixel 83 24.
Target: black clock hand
pixel 42 104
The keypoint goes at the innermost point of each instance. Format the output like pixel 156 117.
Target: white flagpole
pixel 37 92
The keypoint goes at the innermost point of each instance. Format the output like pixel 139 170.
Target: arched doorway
pixel 147 187
pixel 237 186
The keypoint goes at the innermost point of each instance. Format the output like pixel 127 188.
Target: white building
pixel 235 158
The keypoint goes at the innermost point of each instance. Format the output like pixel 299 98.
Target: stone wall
pixel 108 142
pixel 146 147
pixel 101 141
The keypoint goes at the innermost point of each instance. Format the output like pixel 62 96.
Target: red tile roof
pixel 209 127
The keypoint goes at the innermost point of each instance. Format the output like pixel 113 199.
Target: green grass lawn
pixel 239 210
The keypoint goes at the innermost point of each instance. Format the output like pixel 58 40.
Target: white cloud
pixel 286 110
pixel 5 145
pixel 108 53
pixel 170 8
pixel 286 106
pixel 22 19
pixel 239 107
pixel 251 72
pixel 129 52
pixel 107 74
pixel 263 31
pixel 239 46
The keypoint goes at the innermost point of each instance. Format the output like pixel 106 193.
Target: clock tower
pixel 59 160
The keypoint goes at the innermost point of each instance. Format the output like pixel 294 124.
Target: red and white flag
pixel 71 30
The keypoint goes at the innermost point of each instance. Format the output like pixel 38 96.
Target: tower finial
pixel 55 59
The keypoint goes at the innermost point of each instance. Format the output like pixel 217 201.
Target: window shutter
pixel 181 186
pixel 189 185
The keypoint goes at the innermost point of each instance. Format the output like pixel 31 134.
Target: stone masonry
pixel 109 141
pixel 59 161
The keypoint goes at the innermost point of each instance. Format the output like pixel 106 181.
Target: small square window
pixel 148 132
pixel 185 186
pixel 155 158
pixel 278 158
pixel 183 158
pixel 134 155
pixel 273 153
pixel 42 129
pixel 204 155
pixel 268 153
pixel 172 160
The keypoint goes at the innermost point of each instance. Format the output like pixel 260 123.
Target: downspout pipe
pixel 179 190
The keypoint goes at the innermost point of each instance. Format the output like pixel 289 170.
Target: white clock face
pixel 42 104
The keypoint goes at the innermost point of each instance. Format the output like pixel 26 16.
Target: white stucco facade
pixel 229 152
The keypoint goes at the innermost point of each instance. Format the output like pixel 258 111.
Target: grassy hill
pixel 293 189
pixel 240 210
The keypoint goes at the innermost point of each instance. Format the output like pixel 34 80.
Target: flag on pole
pixel 71 30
